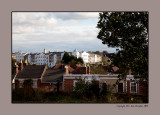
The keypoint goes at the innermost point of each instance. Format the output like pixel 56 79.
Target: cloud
pixel 29 22
pixel 34 31
pixel 77 15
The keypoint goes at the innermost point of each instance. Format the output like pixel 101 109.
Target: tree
pixel 66 58
pixel 105 52
pixel 105 62
pixel 97 69
pixel 80 60
pixel 13 62
pixel 128 32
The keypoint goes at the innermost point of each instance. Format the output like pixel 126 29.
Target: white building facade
pixel 84 55
pixel 87 57
pixel 19 56
pixel 49 59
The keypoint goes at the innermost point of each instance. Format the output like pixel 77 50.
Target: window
pixel 133 88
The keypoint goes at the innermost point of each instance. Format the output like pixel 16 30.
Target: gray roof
pixel 31 71
pixel 52 75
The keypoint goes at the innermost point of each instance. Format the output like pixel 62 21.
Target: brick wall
pixel 68 85
pixel 143 90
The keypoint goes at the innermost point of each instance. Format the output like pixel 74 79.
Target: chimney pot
pixel 66 69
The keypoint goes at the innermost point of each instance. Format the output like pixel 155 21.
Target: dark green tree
pixel 128 32
pixel 70 59
pixel 105 52
pixel 80 60
pixel 66 58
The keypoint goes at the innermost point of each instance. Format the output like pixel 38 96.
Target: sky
pixel 56 31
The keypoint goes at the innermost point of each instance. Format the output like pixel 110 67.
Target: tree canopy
pixel 128 32
pixel 70 59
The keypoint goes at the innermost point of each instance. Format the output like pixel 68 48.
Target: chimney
pixel 66 70
pixel 21 64
pixel 16 68
pixel 89 71
pixel 44 51
pixel 25 62
pixel 86 68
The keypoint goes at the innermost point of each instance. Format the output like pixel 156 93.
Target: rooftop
pixel 31 71
pixel 52 75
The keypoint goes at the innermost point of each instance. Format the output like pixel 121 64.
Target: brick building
pixel 129 85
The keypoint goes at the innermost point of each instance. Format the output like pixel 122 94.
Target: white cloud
pixel 76 15
pixel 59 31
pixel 24 22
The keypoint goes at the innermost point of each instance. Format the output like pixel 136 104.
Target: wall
pixel 68 85
pixel 110 82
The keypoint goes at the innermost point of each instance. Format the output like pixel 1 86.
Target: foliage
pixel 128 32
pixel 81 88
pixel 97 69
pixel 65 97
pixel 86 89
pixel 13 62
pixel 58 61
pixel 105 52
pixel 66 58
pixel 105 62
pixel 70 59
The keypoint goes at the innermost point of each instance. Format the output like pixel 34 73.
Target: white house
pixel 87 57
pixel 84 55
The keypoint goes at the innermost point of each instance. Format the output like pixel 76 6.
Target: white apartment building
pixel 94 58
pixel 19 56
pixel 43 58
pixel 49 59
pixel 84 55
pixel 87 57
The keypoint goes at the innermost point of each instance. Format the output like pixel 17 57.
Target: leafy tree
pixel 58 61
pixel 104 52
pixel 128 32
pixel 104 89
pixel 66 58
pixel 80 60
pixel 105 62
pixel 13 62
pixel 81 88
pixel 97 69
